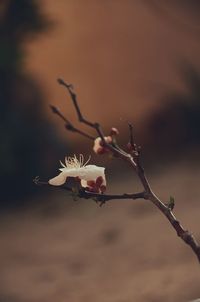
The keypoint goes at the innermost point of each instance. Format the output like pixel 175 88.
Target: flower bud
pixel 129 147
pixel 114 131
pixel 98 147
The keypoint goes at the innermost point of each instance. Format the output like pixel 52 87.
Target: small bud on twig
pixel 171 203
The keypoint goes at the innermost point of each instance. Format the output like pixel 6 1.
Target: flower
pixel 91 177
pixel 98 148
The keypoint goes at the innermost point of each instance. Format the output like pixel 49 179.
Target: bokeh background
pixel 129 61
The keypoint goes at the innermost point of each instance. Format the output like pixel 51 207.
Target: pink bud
pixel 114 131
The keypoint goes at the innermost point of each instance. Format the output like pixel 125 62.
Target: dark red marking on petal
pixel 91 183
pixel 103 189
pixel 99 181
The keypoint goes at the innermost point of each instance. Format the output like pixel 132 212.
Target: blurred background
pixel 129 61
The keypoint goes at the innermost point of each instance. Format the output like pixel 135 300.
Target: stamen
pixel 87 161
pixel 73 162
pixel 81 159
pixel 66 162
pixel 62 164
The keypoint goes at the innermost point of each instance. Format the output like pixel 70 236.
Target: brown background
pixel 121 56
pixel 125 59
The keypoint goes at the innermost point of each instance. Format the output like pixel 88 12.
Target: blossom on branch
pixel 99 148
pixel 91 177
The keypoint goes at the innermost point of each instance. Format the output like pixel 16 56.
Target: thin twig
pixel 68 125
pixel 131 137
pixel 74 99
pixel 81 193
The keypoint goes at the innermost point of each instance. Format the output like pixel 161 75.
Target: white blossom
pixel 75 167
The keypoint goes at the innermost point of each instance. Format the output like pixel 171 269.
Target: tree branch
pixel 134 160
pixel 131 137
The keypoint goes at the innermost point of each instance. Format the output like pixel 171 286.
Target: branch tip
pixel 54 109
pixel 62 82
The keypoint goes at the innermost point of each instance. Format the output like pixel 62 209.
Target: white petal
pixel 84 183
pixel 97 145
pixel 58 180
pixel 91 172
